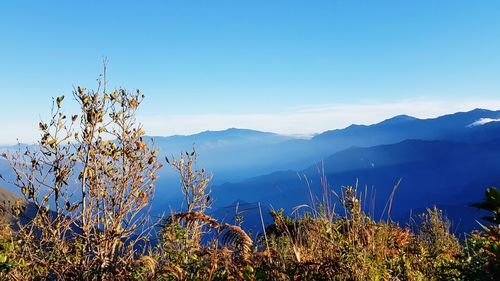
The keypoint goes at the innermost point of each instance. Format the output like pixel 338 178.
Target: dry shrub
pixel 314 246
pixel 87 183
pixel 355 247
pixel 194 245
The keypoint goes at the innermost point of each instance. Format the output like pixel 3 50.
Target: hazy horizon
pixel 35 133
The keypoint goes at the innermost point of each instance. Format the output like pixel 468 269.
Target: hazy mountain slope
pixel 432 172
pixel 235 154
pixel 7 200
pixel 230 154
pixel 448 127
pixel 7 196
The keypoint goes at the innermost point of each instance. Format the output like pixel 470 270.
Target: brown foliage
pixel 91 178
pixel 88 180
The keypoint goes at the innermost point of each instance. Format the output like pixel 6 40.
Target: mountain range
pixel 448 161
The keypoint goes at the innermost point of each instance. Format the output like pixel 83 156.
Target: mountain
pixel 448 127
pixel 215 139
pixel 228 153
pixel 442 173
pixel 402 145
pixel 236 154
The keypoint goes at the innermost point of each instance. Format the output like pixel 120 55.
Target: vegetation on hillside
pixel 91 180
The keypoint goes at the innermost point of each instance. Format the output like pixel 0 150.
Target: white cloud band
pixel 310 120
pixel 301 121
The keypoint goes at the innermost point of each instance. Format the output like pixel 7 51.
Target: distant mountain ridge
pixel 446 127
pixel 211 139
pixel 250 165
pixel 231 133
pixel 236 154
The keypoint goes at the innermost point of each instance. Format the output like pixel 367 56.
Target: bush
pixel 88 183
pixel 483 248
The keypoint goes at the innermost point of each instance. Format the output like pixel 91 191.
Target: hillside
pixel 439 173
pixel 457 126
pixel 234 155
pixel 7 199
pixel 454 154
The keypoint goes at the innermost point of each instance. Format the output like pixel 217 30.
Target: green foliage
pixel 439 246
pixel 484 249
pixel 476 262
pixel 491 203
pixel 358 248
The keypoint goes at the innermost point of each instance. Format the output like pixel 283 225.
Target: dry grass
pixel 95 228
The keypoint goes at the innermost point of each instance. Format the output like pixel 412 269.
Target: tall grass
pixel 99 235
pixel 314 244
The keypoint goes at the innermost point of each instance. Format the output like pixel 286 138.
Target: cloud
pixel 302 121
pixel 483 121
pixel 311 119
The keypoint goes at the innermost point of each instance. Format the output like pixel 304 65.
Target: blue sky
pixel 294 67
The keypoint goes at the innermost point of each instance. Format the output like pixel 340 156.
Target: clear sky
pixel 293 67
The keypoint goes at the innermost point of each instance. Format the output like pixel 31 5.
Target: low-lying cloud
pixel 302 122
pixel 310 120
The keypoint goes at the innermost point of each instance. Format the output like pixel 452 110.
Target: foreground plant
pixel 88 183
pixel 483 247
pixel 86 186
